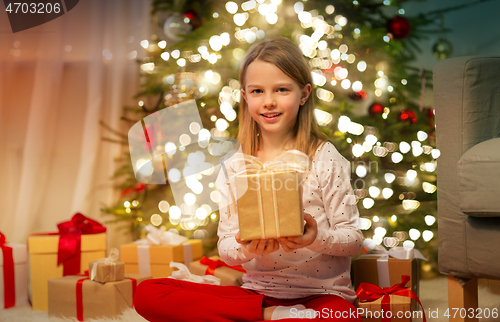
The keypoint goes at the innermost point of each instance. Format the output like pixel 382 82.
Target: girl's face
pixel 272 97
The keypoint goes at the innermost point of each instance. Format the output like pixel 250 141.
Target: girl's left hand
pixel 311 231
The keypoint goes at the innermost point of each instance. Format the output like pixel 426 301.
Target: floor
pixel 433 295
pixel 434 298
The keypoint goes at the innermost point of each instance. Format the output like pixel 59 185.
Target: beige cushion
pixel 479 179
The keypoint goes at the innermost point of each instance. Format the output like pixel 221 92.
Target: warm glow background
pixel 59 79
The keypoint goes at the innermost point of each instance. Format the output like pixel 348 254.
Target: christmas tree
pixel 368 101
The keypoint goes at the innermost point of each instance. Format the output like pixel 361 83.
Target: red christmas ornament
pixel 376 108
pixel 399 27
pixel 407 115
pixel 430 112
pixel 356 96
pixel 191 15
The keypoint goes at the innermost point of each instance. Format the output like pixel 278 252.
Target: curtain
pixel 57 81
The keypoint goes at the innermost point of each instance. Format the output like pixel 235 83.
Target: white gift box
pixel 20 255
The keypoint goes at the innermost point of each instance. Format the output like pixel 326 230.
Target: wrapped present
pixel 108 269
pixel 385 267
pixel 182 273
pixel 228 275
pixel 269 196
pixel 78 296
pixel 377 304
pixel 152 255
pixel 13 278
pixel 67 252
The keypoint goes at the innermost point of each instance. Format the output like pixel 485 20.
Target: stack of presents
pixel 70 274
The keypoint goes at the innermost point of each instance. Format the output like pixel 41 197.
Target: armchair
pixel 467 103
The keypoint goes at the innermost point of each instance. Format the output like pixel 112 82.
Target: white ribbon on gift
pixel 383 260
pixel 159 236
pixel 114 256
pixel 183 274
pixel 291 160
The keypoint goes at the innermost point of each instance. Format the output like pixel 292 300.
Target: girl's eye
pixel 256 91
pixel 282 89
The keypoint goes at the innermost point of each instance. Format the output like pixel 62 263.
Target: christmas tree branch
pixel 109 128
pixel 462 6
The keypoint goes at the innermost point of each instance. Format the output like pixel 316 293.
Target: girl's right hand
pixel 259 246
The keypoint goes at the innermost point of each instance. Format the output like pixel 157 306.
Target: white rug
pixel 433 295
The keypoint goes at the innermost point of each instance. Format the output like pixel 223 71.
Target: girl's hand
pixel 259 246
pixel 311 231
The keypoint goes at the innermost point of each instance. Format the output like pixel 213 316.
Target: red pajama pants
pixel 165 299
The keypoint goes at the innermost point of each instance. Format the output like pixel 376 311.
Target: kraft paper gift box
pixel 228 275
pixel 371 311
pixel 108 269
pixel 155 260
pixel 47 249
pixel 13 278
pixel 402 305
pixel 90 299
pixel 269 204
pixel 366 269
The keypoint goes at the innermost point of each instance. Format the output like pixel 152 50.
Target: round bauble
pixel 175 27
pixel 376 109
pixel 442 49
pixel 399 27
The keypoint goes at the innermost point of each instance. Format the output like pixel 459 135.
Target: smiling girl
pixel 289 278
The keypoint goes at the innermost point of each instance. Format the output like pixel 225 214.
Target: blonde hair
pixel 285 55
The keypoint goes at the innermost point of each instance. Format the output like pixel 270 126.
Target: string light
pixel 323 59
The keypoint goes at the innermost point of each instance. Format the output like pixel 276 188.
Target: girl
pixel 293 278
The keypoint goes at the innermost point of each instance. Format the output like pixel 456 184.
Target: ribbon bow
pixel 183 274
pixel 69 250
pixel 8 273
pixel 369 293
pixel 291 160
pixel 159 236
pixel 397 252
pixel 213 264
pixel 114 256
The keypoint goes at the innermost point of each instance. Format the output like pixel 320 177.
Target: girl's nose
pixel 269 101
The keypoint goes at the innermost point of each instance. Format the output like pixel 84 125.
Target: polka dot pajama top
pixel 320 268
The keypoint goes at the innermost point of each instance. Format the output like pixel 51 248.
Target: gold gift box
pixel 160 257
pixel 228 276
pixel 99 300
pixel 278 195
pixel 108 272
pixel 43 262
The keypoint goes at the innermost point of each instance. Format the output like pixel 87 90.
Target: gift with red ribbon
pixel 70 242
pixel 384 270
pixel 91 300
pixel 66 252
pixel 229 275
pixel 381 299
pixel 13 288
